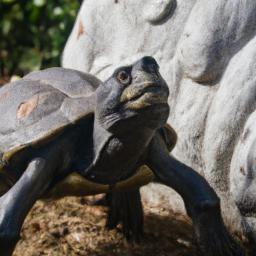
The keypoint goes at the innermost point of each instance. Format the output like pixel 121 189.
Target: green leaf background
pixel 33 33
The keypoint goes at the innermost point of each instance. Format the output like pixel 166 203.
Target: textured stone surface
pixel 206 51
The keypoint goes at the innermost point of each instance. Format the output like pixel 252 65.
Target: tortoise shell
pixel 43 104
pixel 37 108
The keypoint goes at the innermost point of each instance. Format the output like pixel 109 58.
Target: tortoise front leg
pixel 16 203
pixel 201 202
pixel 125 207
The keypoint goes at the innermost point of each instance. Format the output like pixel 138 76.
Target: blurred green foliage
pixel 33 33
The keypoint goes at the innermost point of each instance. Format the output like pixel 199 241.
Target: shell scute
pixel 42 104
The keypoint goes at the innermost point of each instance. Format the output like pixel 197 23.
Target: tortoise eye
pixel 123 77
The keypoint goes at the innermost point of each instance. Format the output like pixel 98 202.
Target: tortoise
pixel 64 132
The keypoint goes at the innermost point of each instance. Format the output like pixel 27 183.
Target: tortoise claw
pixel 220 245
pixel 126 209
pixel 212 236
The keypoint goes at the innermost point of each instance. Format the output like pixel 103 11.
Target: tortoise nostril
pixel 149 64
pixel 148 60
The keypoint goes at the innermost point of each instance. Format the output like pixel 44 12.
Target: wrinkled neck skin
pixel 118 152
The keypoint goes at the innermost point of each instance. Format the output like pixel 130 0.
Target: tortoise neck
pixel 100 137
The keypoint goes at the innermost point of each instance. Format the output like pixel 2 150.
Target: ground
pixel 73 227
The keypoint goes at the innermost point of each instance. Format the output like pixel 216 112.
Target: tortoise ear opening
pixel 169 136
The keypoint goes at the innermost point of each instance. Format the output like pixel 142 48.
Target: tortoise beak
pixel 147 87
pixel 144 94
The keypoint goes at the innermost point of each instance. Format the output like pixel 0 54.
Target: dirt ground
pixel 73 227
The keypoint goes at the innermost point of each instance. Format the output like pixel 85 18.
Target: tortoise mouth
pixel 150 93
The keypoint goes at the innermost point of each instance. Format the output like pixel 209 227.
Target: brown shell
pixel 41 105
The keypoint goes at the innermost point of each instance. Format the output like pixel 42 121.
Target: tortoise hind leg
pixel 125 207
pixel 16 203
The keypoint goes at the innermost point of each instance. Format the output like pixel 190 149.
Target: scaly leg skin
pixel 201 202
pixel 16 203
pixel 126 208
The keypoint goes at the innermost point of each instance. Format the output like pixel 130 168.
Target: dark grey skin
pixel 123 133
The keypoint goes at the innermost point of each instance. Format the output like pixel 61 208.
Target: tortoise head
pixel 133 96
